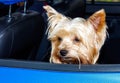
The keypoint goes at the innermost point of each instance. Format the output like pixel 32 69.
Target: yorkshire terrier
pixel 78 40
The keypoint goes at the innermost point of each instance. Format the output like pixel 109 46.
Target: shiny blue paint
pixel 8 2
pixel 21 75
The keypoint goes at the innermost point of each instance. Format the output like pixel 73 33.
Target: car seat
pixel 110 52
pixel 20 34
pixel 71 8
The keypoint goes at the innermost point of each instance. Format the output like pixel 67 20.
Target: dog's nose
pixel 63 52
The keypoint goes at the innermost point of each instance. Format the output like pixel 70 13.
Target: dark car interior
pixel 22 36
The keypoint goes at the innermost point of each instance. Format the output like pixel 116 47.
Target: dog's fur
pixel 75 40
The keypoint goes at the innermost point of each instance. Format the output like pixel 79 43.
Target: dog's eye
pixel 76 39
pixel 59 39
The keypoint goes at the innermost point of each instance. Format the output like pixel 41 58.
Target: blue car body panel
pixel 20 75
pixel 8 2
pixel 12 71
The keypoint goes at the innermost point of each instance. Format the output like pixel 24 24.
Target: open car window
pixel 103 1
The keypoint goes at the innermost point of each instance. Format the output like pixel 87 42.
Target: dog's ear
pixel 53 16
pixel 52 13
pixel 98 20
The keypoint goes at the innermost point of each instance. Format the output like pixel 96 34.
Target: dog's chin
pixel 69 60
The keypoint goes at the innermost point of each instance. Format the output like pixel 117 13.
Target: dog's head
pixel 75 40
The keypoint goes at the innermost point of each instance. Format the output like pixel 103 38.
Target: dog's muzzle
pixel 63 53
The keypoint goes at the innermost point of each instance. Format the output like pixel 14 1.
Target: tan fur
pixel 82 38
